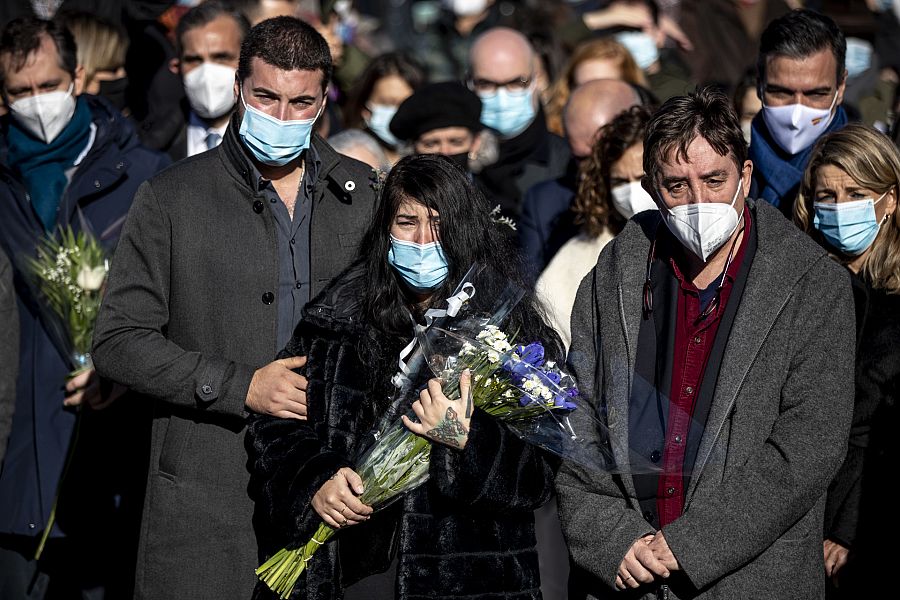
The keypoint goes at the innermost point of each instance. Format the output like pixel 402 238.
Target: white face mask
pixel 703 228
pixel 630 199
pixel 795 127
pixel 466 8
pixel 45 115
pixel 210 90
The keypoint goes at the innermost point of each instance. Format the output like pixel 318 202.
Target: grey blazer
pixel 776 432
pixel 189 315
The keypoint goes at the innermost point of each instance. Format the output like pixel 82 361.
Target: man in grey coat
pixel 217 258
pixel 718 341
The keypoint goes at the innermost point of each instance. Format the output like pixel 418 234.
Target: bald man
pixel 546 223
pixel 502 71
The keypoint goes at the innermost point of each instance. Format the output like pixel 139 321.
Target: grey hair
pixel 354 138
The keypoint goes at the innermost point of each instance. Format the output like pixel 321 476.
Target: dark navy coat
pixel 98 196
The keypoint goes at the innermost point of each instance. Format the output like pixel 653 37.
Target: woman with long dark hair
pixel 469 529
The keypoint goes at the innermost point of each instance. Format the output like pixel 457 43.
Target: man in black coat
pixel 217 259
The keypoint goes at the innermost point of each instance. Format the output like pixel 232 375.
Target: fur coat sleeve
pixel 496 471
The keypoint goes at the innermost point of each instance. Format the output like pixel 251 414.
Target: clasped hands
pixel 648 558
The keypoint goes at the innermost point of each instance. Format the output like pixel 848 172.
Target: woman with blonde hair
pixel 848 203
pixel 101 51
pixel 602 58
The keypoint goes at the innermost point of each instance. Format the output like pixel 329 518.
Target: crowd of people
pixel 697 201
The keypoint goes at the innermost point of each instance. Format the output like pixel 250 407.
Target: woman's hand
pixel 337 503
pixel 441 419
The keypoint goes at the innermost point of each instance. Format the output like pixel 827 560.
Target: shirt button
pixel 678 439
pixel 268 298
pixel 206 389
pixel 697 340
pixel 655 456
pixel 670 491
pixel 258 207
pixel 273 200
pixel 689 390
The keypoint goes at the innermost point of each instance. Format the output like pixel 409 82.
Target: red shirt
pixel 694 337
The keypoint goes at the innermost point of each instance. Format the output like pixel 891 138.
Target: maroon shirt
pixel 694 337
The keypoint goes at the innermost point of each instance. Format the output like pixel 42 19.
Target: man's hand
pixel 663 553
pixel 337 503
pixel 84 388
pixel 277 391
pixel 640 565
pixel 835 557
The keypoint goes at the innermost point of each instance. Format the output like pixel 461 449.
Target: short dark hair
pixel 205 13
pixel 288 44
pixel 21 37
pixel 799 34
pixel 706 113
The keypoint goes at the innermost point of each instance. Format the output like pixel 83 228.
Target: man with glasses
pixel 502 67
pixel 801 78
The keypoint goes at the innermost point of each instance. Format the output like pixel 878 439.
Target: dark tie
pixel 212 140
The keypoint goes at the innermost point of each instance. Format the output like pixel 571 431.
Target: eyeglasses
pixel 515 86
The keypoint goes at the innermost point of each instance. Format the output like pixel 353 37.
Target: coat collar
pixel 783 256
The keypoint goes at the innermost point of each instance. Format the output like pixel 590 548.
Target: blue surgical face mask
pixel 422 266
pixel 272 141
pixel 641 47
pixel 858 58
pixel 380 123
pixel 849 227
pixel 509 113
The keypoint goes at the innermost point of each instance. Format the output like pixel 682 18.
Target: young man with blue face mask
pixel 217 260
pixel 502 69
pixel 728 411
pixel 801 78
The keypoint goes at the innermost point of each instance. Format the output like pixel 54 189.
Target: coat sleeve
pixel 130 345
pixel 9 351
pixel 759 500
pixel 597 520
pixel 496 470
pixel 288 465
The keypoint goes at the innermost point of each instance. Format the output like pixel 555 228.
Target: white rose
pixel 89 279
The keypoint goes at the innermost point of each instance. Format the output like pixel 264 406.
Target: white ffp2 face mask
pixel 703 228
pixel 210 90
pixel 795 127
pixel 45 115
pixel 630 199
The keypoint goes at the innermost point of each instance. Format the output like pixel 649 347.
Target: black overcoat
pixel 189 315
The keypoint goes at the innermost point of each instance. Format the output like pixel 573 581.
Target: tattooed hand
pixel 440 419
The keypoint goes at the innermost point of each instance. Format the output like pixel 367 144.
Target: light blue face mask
pixel 272 141
pixel 509 113
pixel 849 227
pixel 380 123
pixel 858 58
pixel 423 267
pixel 641 47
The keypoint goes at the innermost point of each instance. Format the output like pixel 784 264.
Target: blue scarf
pixel 777 174
pixel 43 166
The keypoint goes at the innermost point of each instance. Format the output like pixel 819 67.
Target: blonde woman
pixel 603 58
pixel 848 203
pixel 101 52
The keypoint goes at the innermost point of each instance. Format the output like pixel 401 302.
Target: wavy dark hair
pixel 467 234
pixel 392 63
pixel 592 206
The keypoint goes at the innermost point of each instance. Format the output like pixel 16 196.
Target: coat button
pixel 350 186
pixel 268 298
pixel 206 389
pixel 655 456
pixel 120 165
pixel 258 207
pixel 97 183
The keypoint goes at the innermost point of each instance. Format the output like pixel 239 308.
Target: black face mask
pixel 460 160
pixel 114 91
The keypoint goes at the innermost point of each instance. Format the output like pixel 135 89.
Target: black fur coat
pixel 468 532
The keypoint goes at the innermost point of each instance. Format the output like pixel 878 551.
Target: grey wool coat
pixel 776 432
pixel 189 315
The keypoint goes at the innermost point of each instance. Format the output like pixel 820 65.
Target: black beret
pixel 434 106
